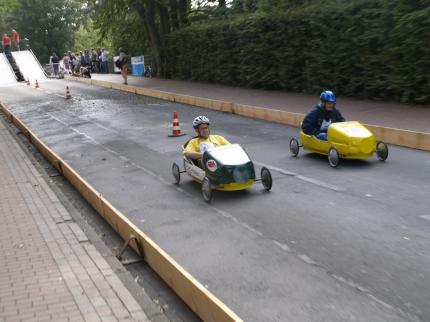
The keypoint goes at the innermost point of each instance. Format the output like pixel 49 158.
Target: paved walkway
pixel 49 270
pixel 395 115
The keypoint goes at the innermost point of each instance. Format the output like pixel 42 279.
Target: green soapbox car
pixel 225 168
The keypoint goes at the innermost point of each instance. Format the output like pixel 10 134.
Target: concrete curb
pixel 406 138
pixel 206 305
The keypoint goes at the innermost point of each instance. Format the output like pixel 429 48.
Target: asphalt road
pixel 345 244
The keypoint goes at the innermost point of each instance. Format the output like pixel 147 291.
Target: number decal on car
pixel 211 165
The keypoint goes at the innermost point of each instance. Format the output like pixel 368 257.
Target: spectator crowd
pixel 83 63
pixel 91 61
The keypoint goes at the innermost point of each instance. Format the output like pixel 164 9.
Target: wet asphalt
pixel 344 244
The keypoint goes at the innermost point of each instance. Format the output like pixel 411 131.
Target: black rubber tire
pixel 294 147
pixel 207 190
pixel 266 178
pixel 381 151
pixel 176 173
pixel 333 157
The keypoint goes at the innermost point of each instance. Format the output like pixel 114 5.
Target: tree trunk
pixel 184 7
pixel 147 14
pixel 164 19
pixel 174 14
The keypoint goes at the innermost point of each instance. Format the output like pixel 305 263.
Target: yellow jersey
pixel 201 145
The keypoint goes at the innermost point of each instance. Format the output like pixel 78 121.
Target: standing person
pixel 87 58
pixel 55 63
pixel 66 62
pixel 76 65
pixel 15 38
pixel 148 71
pixel 99 59
pixel 6 44
pixel 123 60
pixel 94 60
pixel 82 59
pixel 105 60
pixel 102 60
pixel 317 121
pixel 72 62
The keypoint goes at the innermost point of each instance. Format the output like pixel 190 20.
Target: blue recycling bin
pixel 137 66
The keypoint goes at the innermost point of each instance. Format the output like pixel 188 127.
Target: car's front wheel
pixel 381 151
pixel 176 172
pixel 294 147
pixel 333 157
pixel 266 178
pixel 206 190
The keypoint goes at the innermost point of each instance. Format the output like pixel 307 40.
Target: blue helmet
pixel 328 96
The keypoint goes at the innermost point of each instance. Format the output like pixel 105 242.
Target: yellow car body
pixel 351 139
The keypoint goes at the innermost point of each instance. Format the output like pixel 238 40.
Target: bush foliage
pixel 368 49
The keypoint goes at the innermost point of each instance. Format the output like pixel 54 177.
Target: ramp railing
pixel 15 68
pixel 35 58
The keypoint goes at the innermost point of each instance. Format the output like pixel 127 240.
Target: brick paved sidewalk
pixel 49 270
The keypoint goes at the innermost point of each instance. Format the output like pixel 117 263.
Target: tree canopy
pixel 49 25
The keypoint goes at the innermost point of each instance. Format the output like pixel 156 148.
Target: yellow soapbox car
pixel 346 140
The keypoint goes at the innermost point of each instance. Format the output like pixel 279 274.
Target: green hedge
pixel 368 49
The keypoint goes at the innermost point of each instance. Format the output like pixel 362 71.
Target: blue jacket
pixel 312 123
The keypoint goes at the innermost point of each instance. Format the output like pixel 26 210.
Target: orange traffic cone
pixel 176 129
pixel 68 95
pixel 28 81
pixel 37 84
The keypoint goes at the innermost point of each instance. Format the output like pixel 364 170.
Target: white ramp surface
pixel 28 65
pixel 7 76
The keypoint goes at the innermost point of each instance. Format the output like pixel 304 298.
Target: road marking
pixel 283 246
pixel 306 259
pixel 286 172
pixel 300 177
pixel 426 217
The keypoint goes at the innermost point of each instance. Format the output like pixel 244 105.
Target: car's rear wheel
pixel 266 178
pixel 206 190
pixel 294 147
pixel 381 151
pixel 333 157
pixel 176 173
